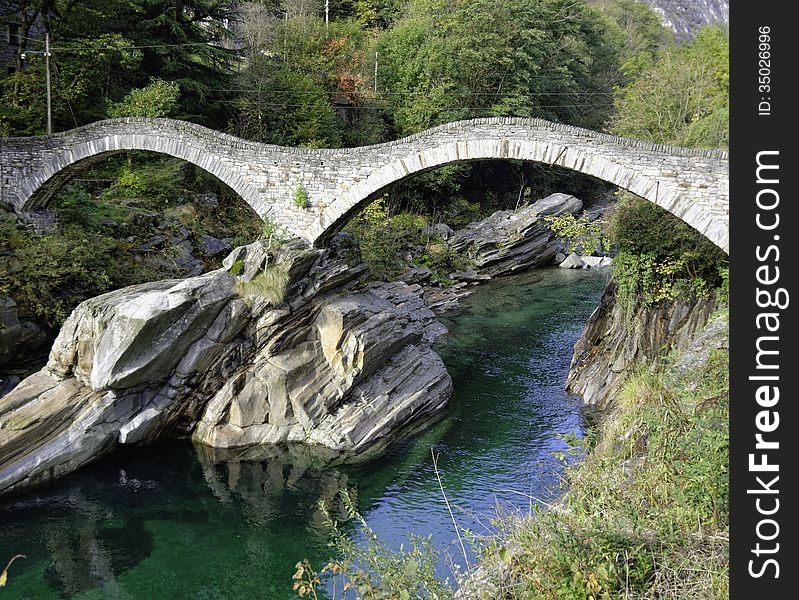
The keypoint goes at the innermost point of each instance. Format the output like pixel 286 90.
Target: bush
pixel 158 99
pixel 659 257
pixel 373 570
pixel 59 271
pixel 578 234
pixel 301 197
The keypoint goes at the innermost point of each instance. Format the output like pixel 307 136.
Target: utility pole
pixel 47 80
pixel 327 14
pixel 286 39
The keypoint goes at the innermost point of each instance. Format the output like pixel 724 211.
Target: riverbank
pixel 645 513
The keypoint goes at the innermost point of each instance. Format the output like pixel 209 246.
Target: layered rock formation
pixel 276 347
pixel 19 340
pixel 513 241
pixel 506 243
pixel 616 340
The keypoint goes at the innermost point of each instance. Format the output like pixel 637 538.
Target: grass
pixel 269 285
pixel 645 515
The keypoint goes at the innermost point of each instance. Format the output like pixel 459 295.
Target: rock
pixel 329 366
pixel 592 262
pixel 416 275
pixel 330 388
pixel 251 259
pixel 109 223
pixel 212 247
pixel 612 344
pixel 559 258
pixel 440 230
pixel 510 242
pixel 19 340
pixel 137 335
pixel 469 276
pixel 180 258
pixel 152 243
pixel 572 262
pixel 209 200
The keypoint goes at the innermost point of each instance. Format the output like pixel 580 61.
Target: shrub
pixel 660 257
pixel 158 99
pixel 301 197
pixel 373 570
pixel 60 270
pixel 578 234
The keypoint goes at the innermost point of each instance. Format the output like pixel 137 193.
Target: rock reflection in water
pixel 263 480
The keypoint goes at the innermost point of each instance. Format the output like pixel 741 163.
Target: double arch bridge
pixel 691 184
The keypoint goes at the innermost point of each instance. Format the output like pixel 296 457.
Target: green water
pixel 172 522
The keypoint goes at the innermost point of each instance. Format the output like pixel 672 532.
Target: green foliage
pixel 158 99
pixel 301 197
pixel 467 58
pixel 646 513
pixel 104 49
pixel 639 32
pixel 373 570
pixel 274 232
pixel 59 271
pixel 683 97
pixel 101 241
pixel 459 212
pixel 237 268
pixel 579 234
pixel 87 73
pixel 660 257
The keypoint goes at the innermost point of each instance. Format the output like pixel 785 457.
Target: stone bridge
pixel 691 184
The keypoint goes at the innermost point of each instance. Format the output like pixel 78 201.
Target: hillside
pixel 686 16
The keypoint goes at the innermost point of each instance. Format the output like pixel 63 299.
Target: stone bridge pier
pixel 691 184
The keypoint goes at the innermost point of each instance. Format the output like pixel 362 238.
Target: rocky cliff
pixel 684 17
pixel 616 340
pixel 279 346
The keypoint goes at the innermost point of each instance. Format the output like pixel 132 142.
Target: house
pixel 17 29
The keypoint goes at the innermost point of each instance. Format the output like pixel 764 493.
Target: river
pixel 173 522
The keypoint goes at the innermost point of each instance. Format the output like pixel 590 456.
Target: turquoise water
pixel 174 522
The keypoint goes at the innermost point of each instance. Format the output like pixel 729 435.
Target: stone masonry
pixel 691 184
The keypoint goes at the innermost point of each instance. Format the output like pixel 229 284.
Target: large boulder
pixel 513 241
pixel 231 361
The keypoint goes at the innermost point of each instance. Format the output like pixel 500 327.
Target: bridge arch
pixel 691 184
pixel 67 153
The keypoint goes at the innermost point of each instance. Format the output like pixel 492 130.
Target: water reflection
pixel 262 481
pixel 103 528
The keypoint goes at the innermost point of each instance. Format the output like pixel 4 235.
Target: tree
pixel 640 33
pixel 457 59
pixel 86 74
pixel 186 39
pixel 683 98
pixel 158 99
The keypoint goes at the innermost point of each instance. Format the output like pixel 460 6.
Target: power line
pixel 389 93
pixel 464 108
pixel 149 46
